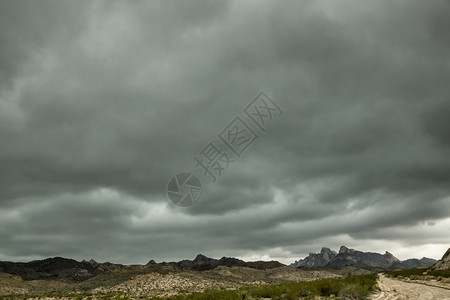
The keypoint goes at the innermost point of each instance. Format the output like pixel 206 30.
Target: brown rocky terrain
pixel 161 280
pixel 220 278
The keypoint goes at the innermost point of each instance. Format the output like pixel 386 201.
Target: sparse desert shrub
pixel 356 287
pixel 354 291
pixel 419 273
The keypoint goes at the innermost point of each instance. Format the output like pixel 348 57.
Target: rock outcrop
pixel 349 257
pixel 316 259
pixel 443 263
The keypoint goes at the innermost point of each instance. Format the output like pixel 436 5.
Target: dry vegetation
pixel 157 281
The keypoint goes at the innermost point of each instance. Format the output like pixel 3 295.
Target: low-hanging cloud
pixel 101 102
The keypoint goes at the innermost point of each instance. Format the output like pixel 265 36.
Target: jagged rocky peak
pixel 391 257
pixel 151 262
pixel 201 258
pixel 327 253
pixel 316 259
pixel 344 249
pixel 91 262
pixel 348 257
pixel 326 250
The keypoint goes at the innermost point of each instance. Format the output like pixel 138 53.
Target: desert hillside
pixel 444 262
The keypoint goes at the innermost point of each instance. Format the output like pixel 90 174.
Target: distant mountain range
pixel 70 269
pixel 202 262
pixel 65 268
pixel 349 257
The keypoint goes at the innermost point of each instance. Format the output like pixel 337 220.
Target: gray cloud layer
pixel 101 102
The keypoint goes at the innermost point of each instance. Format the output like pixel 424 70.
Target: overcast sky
pixel 102 102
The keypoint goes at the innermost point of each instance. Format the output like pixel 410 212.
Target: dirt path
pixel 396 289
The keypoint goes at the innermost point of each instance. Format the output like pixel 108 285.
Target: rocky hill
pixel 443 263
pixel 414 263
pixel 316 259
pixel 349 257
pixel 202 262
pixel 57 268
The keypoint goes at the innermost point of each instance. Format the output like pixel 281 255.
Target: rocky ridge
pixel 443 263
pixel 349 257
pixel 202 263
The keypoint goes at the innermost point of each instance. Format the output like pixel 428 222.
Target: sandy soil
pixel 397 289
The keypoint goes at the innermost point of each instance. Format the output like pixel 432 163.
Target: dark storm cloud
pixel 102 102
